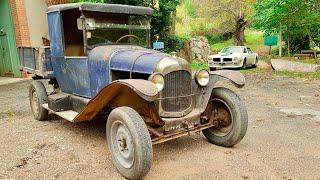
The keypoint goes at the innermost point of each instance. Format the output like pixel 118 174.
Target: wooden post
pixel 270 50
pixel 280 41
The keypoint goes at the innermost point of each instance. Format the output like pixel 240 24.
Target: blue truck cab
pixel 100 65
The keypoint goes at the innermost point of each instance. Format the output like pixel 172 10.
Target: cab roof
pixel 102 7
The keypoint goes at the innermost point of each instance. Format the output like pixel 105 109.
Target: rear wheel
pixel 37 97
pixel 255 63
pixel 230 112
pixel 129 143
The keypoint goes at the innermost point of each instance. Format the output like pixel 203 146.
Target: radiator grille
pixel 216 59
pixel 227 59
pixel 176 92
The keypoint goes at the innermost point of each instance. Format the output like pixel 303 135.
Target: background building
pixel 23 23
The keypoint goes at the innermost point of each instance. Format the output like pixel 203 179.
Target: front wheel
pixel 230 112
pixel 129 143
pixel 244 65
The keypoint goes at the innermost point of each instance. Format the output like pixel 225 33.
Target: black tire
pixel 255 63
pixel 244 65
pixel 37 97
pixel 237 114
pixel 125 125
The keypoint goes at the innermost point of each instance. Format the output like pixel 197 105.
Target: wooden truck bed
pixel 36 61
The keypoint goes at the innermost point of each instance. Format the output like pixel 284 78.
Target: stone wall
pixel 196 49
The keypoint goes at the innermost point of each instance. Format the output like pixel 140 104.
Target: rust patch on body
pixel 134 93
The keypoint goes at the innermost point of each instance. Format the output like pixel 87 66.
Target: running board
pixel 68 115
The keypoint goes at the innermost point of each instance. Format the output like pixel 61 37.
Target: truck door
pixel 251 57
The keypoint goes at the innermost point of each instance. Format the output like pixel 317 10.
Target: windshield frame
pixel 231 49
pixel 85 30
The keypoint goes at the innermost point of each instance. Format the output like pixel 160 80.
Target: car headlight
pixel 158 80
pixel 236 59
pixel 203 77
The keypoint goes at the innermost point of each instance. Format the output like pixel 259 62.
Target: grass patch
pixel 220 45
pixel 255 41
pixel 197 66
pixel 313 75
pixel 309 61
pixel 254 70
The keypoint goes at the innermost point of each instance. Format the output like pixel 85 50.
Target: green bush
pixel 174 43
pixel 218 38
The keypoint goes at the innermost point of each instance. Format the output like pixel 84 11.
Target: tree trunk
pixel 174 19
pixel 280 41
pixel 288 42
pixel 238 35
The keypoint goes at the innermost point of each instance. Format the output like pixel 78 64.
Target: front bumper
pixel 221 65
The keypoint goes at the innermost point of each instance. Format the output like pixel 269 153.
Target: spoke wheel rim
pixel 225 119
pixel 122 144
pixel 34 102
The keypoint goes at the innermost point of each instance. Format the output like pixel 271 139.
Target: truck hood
pixel 137 59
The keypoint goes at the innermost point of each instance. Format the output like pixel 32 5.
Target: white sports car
pixel 233 57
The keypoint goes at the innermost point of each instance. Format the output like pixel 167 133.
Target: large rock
pixel 263 65
pixel 196 49
pixel 302 112
pixel 285 65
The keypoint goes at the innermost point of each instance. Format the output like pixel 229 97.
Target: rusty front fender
pixel 235 77
pixel 135 93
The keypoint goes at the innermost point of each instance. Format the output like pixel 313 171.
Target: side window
pixel 245 50
pixel 249 51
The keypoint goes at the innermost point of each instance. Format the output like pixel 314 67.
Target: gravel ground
pixel 277 145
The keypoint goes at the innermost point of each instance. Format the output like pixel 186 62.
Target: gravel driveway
pixel 282 142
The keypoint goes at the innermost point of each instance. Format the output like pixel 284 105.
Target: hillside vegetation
pixel 254 40
pixel 188 25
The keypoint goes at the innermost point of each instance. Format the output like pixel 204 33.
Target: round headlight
pixel 158 80
pixel 203 77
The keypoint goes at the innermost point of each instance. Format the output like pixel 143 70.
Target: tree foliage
pixel 298 19
pixel 231 16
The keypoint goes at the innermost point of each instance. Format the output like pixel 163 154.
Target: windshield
pixel 105 29
pixel 230 50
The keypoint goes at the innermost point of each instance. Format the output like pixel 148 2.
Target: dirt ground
pixel 281 143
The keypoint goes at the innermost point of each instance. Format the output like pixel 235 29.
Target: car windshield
pixel 230 50
pixel 105 29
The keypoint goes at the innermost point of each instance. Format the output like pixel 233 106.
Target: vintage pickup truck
pixel 100 65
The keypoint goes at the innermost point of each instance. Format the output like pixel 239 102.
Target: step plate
pixel 68 115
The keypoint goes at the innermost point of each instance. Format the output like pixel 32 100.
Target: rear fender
pixel 135 93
